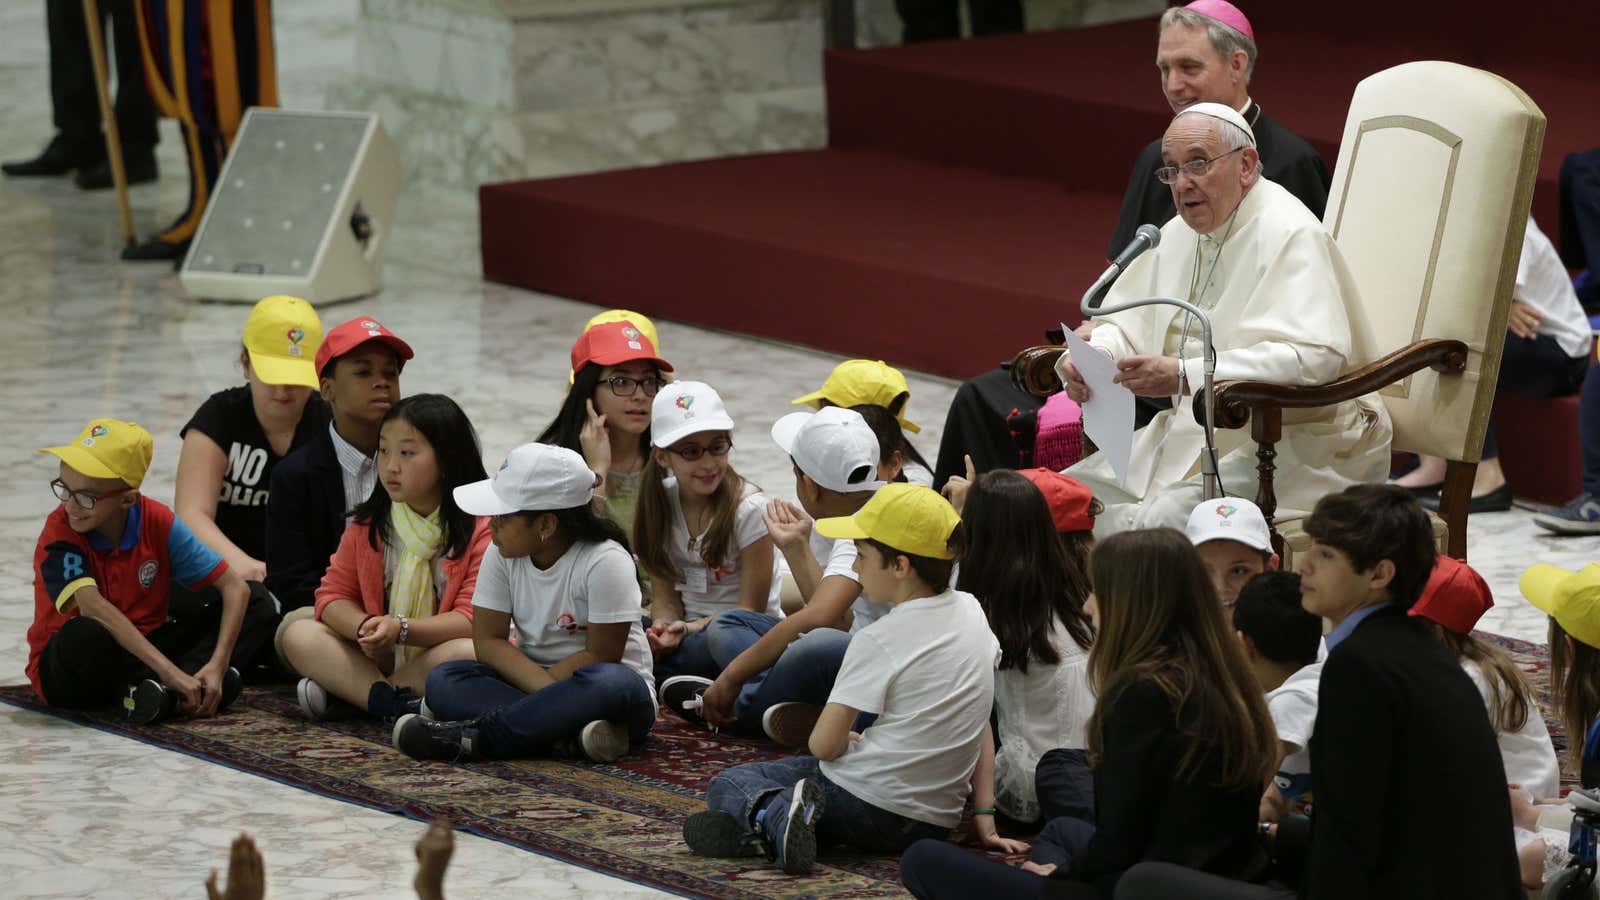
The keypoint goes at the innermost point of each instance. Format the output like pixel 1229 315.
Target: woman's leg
pixel 316 652
pixel 413 673
pixel 938 869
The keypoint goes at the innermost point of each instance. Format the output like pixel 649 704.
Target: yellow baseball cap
pixel 1571 598
pixel 282 336
pixel 858 382
pixel 637 320
pixel 109 448
pixel 908 517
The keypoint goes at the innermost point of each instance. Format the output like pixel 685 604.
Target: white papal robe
pixel 1283 309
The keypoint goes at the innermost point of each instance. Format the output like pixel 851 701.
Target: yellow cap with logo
pixel 862 382
pixel 109 448
pixel 282 336
pixel 637 320
pixel 908 517
pixel 1571 598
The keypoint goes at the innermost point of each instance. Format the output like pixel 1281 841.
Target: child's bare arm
pixel 830 738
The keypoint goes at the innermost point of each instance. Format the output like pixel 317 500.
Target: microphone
pixel 1147 237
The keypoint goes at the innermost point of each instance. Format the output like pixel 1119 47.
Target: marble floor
pixel 87 814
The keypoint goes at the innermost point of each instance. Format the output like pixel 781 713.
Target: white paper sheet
pixel 1108 416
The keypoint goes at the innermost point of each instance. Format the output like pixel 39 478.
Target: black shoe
pixel 788 826
pixel 138 165
pixel 389 703
pixel 59 158
pixel 1497 500
pixel 681 694
pixel 232 687
pixel 719 835
pixel 421 738
pixel 155 249
pixel 149 702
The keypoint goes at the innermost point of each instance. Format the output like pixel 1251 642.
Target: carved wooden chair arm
pixel 1235 399
pixel 1033 370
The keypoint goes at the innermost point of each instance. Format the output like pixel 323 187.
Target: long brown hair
pixel 1575 682
pixel 1160 622
pixel 1021 571
pixel 1510 695
pixel 652 523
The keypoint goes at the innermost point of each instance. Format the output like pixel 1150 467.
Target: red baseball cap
pixel 1068 497
pixel 1455 596
pixel 615 343
pixel 354 333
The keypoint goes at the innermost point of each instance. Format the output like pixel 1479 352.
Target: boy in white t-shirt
pixel 578 678
pixel 1280 641
pixel 776 674
pixel 926 671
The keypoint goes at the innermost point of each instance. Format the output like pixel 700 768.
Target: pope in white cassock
pixel 1283 309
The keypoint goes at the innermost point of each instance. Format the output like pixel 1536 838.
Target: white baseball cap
pixel 683 408
pixel 534 478
pixel 1229 519
pixel 834 446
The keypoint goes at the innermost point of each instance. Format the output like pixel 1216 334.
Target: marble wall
pixel 487 90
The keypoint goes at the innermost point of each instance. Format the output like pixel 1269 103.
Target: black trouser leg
pixel 995 16
pixel 75 103
pixel 135 108
pixel 929 20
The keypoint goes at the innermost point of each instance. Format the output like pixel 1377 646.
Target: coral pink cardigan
pixel 355 573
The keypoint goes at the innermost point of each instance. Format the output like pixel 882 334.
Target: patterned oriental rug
pixel 624 819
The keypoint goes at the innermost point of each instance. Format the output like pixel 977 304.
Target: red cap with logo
pixel 615 343
pixel 354 333
pixel 1455 596
pixel 1068 497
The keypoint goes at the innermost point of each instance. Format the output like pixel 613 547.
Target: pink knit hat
pixel 1223 12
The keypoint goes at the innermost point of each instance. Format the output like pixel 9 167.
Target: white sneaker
pixel 603 741
pixel 314 699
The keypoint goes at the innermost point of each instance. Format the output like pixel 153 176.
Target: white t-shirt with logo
pixel 927 670
pixel 708 591
pixel 551 608
pixel 1293 707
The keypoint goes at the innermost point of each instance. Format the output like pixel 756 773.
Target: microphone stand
pixel 1210 483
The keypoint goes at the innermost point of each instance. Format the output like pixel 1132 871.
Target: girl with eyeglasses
pixel 700 536
pixel 606 416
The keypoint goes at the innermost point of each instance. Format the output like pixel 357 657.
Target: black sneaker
pixel 681 694
pixel 149 702
pixel 788 825
pixel 421 738
pixel 232 687
pixel 717 834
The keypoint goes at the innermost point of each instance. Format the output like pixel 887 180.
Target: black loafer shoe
pixel 155 249
pixel 138 165
pixel 1497 500
pixel 59 158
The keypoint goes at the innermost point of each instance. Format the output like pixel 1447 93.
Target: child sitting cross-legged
pixel 926 670
pixel 104 566
pixel 396 600
pixel 578 678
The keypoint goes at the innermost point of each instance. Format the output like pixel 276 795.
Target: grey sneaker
pixel 421 738
pixel 603 741
pixel 314 699
pixel 1581 515
pixel 789 724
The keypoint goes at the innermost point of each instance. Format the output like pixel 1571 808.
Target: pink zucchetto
pixel 1223 12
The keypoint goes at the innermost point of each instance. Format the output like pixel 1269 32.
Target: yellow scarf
pixel 412 594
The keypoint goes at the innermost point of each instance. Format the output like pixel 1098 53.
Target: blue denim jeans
pixel 512 723
pixel 693 657
pixel 803 674
pixel 846 819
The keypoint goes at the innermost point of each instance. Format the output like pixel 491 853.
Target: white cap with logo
pixel 534 478
pixel 834 446
pixel 683 408
pixel 1229 519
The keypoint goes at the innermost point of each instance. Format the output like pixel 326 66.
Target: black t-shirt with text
pixel 228 417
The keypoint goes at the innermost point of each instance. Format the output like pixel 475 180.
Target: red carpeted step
pixel 942 269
